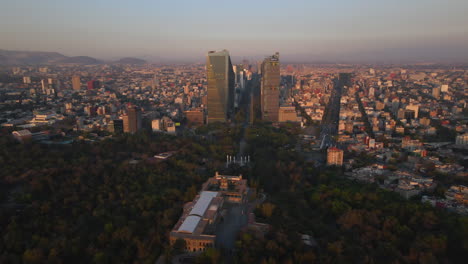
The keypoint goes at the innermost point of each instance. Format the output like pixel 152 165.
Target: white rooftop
pixel 203 202
pixel 189 224
pixel 219 53
pixel 197 212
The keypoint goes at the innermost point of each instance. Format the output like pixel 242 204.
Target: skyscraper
pixel 132 120
pixel 76 83
pixel 93 84
pixel 334 156
pixel 44 86
pixel 220 77
pixel 116 126
pixel 270 88
pixel 436 92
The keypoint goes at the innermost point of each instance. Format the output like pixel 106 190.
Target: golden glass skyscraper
pixel 132 120
pixel 76 83
pixel 220 77
pixel 269 90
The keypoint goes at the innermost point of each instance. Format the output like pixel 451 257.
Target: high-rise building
pixel 239 76
pixel 334 156
pixel 269 89
pixel 436 92
pixel 132 120
pixel 93 85
pixel 44 86
pixel 116 126
pixel 76 83
pixel 220 77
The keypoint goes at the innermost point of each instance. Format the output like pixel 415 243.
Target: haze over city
pixel 302 31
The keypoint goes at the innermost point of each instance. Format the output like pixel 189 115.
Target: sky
pixel 184 30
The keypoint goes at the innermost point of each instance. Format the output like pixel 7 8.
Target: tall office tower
pixel 259 67
pixel 269 90
pixel 132 120
pixel 116 126
pixel 436 92
pixel 44 86
pixel 239 76
pixel 334 156
pixel 220 77
pixel 93 84
pixel 235 69
pixel 242 79
pixel 76 83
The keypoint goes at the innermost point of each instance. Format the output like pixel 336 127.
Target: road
pixel 227 230
pixel 330 120
pixel 244 105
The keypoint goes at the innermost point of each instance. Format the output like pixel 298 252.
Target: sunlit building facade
pixel 334 156
pixel 76 83
pixel 270 88
pixel 221 79
pixel 132 120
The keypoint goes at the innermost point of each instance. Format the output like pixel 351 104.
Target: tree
pixel 179 246
pixel 267 209
pixel 33 256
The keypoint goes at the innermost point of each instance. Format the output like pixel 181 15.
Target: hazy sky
pixel 365 30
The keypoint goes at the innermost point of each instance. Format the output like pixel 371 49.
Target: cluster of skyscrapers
pixel 222 79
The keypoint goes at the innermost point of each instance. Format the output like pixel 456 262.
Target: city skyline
pixel 302 31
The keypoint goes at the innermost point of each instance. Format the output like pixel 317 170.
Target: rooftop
pixel 193 219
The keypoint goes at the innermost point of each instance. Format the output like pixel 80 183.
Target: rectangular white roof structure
pixel 203 202
pixel 189 224
pixel 197 212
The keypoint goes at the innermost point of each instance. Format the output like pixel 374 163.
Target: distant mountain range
pixel 13 57
pixel 85 60
pixel 129 60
